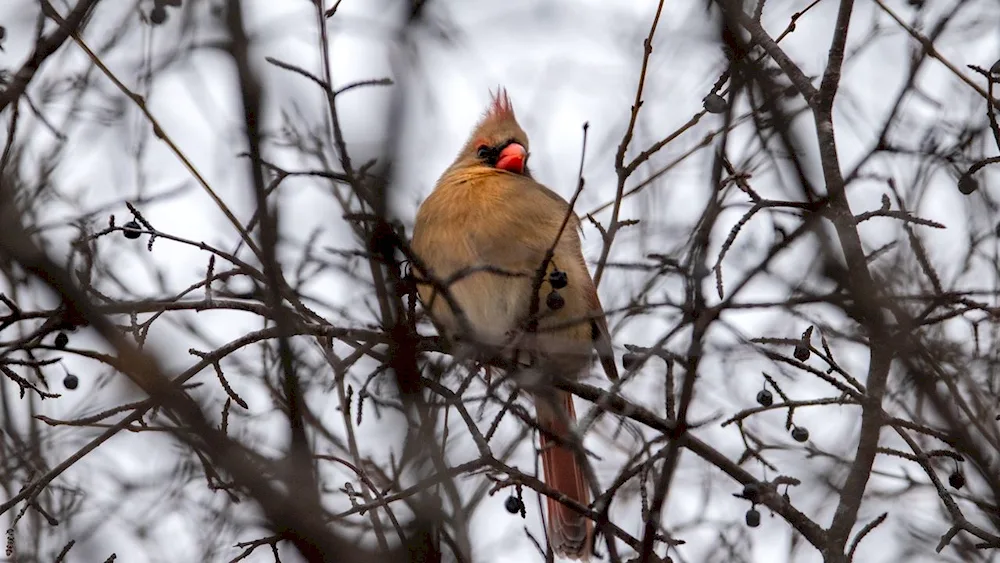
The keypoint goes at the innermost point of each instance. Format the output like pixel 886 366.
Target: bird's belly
pixel 491 303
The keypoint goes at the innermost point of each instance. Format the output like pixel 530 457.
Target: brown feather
pixel 570 533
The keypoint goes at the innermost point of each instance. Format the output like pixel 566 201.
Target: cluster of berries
pixel 766 399
pixel 558 280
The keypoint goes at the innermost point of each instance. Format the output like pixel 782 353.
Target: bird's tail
pixel 569 531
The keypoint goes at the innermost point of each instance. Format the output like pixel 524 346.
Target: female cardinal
pixel 483 236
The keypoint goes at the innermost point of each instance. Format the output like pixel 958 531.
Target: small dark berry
pixel 71 381
pixel 801 353
pixel 158 15
pixel 715 103
pixel 631 360
pixel 751 492
pixel 555 301
pixel 132 230
pixel 513 504
pixel 765 398
pixel 61 340
pixel 558 279
pixel 956 480
pixel 800 434
pixel 967 184
pixel 753 518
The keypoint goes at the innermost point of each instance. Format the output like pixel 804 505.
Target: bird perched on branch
pixel 504 268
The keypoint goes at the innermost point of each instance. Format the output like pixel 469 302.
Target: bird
pixel 481 240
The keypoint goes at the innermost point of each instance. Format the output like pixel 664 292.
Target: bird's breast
pixel 455 236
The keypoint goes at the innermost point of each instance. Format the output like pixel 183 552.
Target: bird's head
pixel 497 142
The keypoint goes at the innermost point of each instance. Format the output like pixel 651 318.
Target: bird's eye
pixel 483 151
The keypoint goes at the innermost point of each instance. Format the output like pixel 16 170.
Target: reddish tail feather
pixel 569 531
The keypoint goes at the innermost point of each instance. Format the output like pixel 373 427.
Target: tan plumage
pixel 487 211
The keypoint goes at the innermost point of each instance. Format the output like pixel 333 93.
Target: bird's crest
pixel 500 107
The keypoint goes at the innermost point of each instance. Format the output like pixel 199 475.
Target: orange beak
pixel 512 158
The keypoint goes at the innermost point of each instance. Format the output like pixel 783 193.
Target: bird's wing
pixel 600 334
